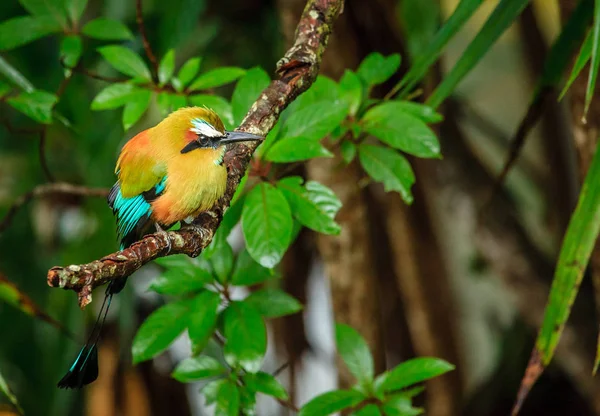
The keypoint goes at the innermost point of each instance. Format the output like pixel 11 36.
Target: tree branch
pixel 47 189
pixel 297 70
pixel 147 48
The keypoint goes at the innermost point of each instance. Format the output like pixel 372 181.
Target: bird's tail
pixel 85 367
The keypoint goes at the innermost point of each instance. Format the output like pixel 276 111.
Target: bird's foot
pixel 159 230
pixel 196 228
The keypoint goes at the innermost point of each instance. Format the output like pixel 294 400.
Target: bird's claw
pixel 159 230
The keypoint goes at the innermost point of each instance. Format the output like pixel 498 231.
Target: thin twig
pixel 79 69
pixel 147 48
pixel 42 156
pixel 48 189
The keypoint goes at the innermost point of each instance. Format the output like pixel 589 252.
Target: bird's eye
pixel 203 139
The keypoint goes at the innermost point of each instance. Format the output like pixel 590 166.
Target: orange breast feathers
pixel 195 181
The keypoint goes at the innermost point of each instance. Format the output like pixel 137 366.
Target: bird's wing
pixel 142 178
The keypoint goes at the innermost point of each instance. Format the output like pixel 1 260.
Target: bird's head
pixel 198 128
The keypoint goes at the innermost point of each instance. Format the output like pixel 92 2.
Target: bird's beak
pixel 239 136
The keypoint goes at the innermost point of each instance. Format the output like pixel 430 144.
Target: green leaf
pixel 400 405
pixel 351 91
pixel 71 48
pixel 188 71
pixel 5 389
pixel 166 67
pixel 314 205
pixel 36 105
pixel 222 260
pixel 595 64
pixel 323 89
pixel 197 368
pixel 217 77
pixel 376 68
pixel 421 111
pixel 106 29
pixel 14 76
pixel 348 151
pixel 136 107
pixel 389 167
pixel 355 352
pixel 412 372
pixel 463 12
pixel 575 253
pixel 211 390
pixel 391 124
pixel 316 121
pixel 265 383
pixel 369 410
pixel 267 224
pixel 420 22
pixel 22 30
pixel 331 402
pixel 203 319
pixel 125 61
pixel 246 336
pixel 54 9
pixel 178 282
pixel 582 59
pixel 505 13
pixel 248 272
pixel 247 402
pixel 295 149
pixel 4 89
pixel 247 91
pixel 228 399
pixel 75 9
pixel 273 303
pixel 170 102
pixel 217 104
pixel 230 219
pixel 114 96
pixel 159 330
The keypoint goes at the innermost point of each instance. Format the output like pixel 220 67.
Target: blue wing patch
pixel 133 213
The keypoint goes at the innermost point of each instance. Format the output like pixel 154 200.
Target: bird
pixel 167 174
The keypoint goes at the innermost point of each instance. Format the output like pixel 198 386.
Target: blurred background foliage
pixel 439 278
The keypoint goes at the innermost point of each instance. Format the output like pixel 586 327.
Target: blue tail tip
pixel 83 371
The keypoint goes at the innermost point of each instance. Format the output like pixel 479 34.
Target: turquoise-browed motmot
pixel 169 173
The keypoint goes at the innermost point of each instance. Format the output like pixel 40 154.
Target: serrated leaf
pixel 316 121
pixel 351 91
pixel 106 29
pixel 218 104
pixel 71 48
pixel 273 303
pixel 267 224
pixel 114 96
pixel 166 67
pixel 203 319
pixel 505 13
pixel 376 68
pixel 331 402
pixel 295 149
pixel 246 336
pixel 355 352
pixel 159 330
pixel 135 108
pixel 314 205
pixel 348 151
pixel 248 272
pixel 54 9
pixel 388 167
pixel 197 368
pixel 265 383
pixel 188 71
pixel 217 77
pixel 125 61
pixel 390 123
pixel 19 31
pixel 247 91
pixel 36 105
pixel 228 399
pixel 412 372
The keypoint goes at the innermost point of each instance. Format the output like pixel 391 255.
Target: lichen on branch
pixel 297 70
